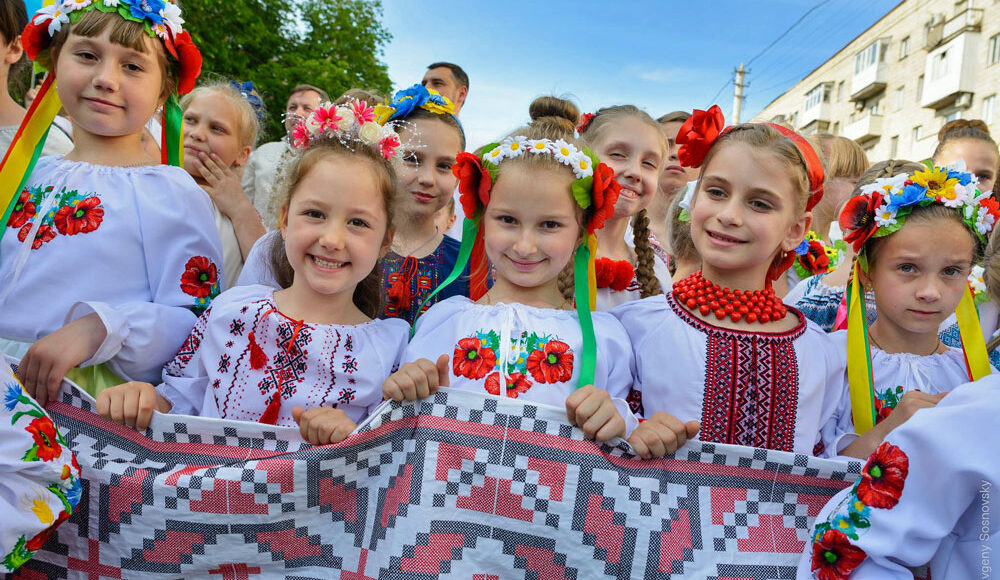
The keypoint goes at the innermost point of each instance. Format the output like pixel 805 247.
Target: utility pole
pixel 738 93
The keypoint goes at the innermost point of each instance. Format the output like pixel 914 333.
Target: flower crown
pixel 882 206
pixel 595 183
pixel 815 256
pixel 418 96
pixel 353 122
pixel 161 19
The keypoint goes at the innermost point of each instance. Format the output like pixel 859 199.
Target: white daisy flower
pixel 539 145
pixel 884 216
pixel 963 194
pixel 161 30
pixel 564 151
pixel 984 221
pixel 54 15
pixel 73 5
pixel 172 16
pixel 976 279
pixel 872 188
pixel 370 132
pixel 582 165
pixel 890 185
pixel 111 3
pixel 496 155
pixel 514 146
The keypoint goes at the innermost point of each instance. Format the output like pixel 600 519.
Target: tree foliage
pixel 277 44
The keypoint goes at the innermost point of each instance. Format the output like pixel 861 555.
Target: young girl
pixel 220 129
pixel 821 297
pixel 537 195
pixel 721 349
pixel 632 144
pixel 421 255
pixel 916 237
pixel 308 354
pixel 124 248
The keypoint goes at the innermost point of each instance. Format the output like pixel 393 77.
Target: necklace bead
pixel 762 306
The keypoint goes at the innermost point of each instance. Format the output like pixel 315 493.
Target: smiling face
pixel 632 148
pixel 425 179
pixel 109 90
pixel 745 211
pixel 211 125
pixel 335 227
pixel 980 159
pixel 918 275
pixel 531 225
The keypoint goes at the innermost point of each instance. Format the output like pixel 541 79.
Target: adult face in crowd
pixel 674 176
pixel 303 100
pixel 449 80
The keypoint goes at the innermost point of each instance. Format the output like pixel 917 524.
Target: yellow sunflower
pixel 937 183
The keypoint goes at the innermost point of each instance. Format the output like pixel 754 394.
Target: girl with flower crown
pixel 721 349
pixel 308 354
pixel 531 201
pixel 633 145
pixel 124 248
pixel 917 237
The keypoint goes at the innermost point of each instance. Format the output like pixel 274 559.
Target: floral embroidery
pixel 532 356
pixel 552 364
pixel 879 487
pixel 473 359
pixel 885 401
pixel 516 384
pixel 346 396
pixel 72 213
pixel 46 439
pixel 201 280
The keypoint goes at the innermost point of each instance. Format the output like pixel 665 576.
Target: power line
pixel 787 30
pixel 722 88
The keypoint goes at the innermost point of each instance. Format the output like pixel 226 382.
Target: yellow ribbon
pixel 973 343
pixel 21 156
pixel 859 360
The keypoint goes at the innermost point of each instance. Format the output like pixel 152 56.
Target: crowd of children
pixel 662 280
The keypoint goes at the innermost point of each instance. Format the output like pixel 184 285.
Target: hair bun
pixel 560 112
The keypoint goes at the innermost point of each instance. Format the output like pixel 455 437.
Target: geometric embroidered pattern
pixel 460 485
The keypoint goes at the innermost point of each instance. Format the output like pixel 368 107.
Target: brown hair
pixel 124 32
pixel 842 157
pixel 304 87
pixel 991 275
pixel 674 117
pixel 246 121
pixel 679 242
pixel 645 258
pixel 13 19
pixel 974 129
pixel 368 293
pixel 369 97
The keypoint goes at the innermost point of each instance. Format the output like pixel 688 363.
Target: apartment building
pixel 891 89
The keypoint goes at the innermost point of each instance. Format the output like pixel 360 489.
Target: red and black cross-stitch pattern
pixel 461 485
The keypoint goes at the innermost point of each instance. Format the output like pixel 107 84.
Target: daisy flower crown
pixel 353 124
pixel 882 206
pixel 160 19
pixel 594 185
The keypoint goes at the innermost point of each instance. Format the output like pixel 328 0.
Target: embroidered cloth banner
pixel 461 485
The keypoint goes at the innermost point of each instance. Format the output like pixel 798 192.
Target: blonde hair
pixel 604 118
pixel 842 157
pixel 124 32
pixel 368 293
pixel 991 275
pixel 246 118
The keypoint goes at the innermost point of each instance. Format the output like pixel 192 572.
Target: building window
pixel 939 66
pixel 898 98
pixel 869 56
pixel 918 133
pixel 956 114
pixel 920 88
pixel 988 106
pixel 840 91
pixel 994 54
pixel 820 94
pixel 836 128
pixel 904 48
pixel 893 146
pixel 875 107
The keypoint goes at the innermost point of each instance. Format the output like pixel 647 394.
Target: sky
pixel 661 56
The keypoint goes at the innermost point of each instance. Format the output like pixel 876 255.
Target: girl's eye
pixel 650 164
pixel 410 157
pixel 952 271
pixel 86 55
pixel 550 225
pixel 445 166
pixel 189 119
pixel 313 213
pixel 358 222
pixel 760 205
pixel 133 68
pixel 907 268
pixel 507 219
pixel 617 155
pixel 218 129
pixel 715 193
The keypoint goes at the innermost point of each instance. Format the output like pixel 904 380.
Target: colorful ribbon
pixel 172 152
pixel 583 263
pixel 977 361
pixel 859 358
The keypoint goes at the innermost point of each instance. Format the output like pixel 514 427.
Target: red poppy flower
pixel 35 39
pixel 44 234
pixel 36 543
pixel 858 219
pixel 23 211
pixel 187 54
pixel 517 383
pixel 474 182
pixel 883 477
pixel 584 123
pixel 552 364
pixel 697 135
pixel 834 558
pixel 200 274
pixel 815 261
pixel 473 360
pixel 44 434
pixel 606 191
pixel 79 218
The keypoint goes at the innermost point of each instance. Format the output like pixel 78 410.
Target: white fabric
pixel 260 175
pixel 328 365
pixel 671 355
pixel 257 269
pixel 128 270
pixel 989 319
pixel 946 513
pixel 439 330
pixel 57 143
pixel 232 256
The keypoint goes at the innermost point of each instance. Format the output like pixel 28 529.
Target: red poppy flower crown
pixel 703 128
pixel 595 185
pixel 160 18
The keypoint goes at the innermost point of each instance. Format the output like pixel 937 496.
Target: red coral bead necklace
pixel 701 294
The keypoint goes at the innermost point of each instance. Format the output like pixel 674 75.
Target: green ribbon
pixel 588 358
pixel 172 117
pixel 470 227
pixel 24 178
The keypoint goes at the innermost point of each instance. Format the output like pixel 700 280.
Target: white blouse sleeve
pixel 183 270
pixel 257 267
pixel 837 431
pixel 393 333
pixel 185 378
pixel 615 367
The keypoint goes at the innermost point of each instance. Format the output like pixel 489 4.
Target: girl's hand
pixel 48 360
pixel 661 434
pixel 910 403
pixel 131 404
pixel 591 409
pixel 323 425
pixel 418 379
pixel 223 185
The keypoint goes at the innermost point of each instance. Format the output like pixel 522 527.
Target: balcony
pixel 869 81
pixel 864 128
pixel 815 119
pixel 950 71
